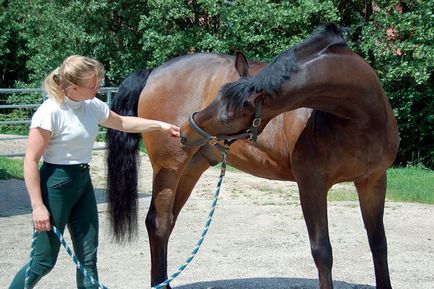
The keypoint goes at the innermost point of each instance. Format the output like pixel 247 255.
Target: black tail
pixel 123 161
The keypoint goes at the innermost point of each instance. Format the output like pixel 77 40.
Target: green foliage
pixel 4 33
pixel 263 31
pixel 128 35
pixel 399 46
pixel 12 59
pixel 174 27
pixel 53 30
pixel 19 129
pixel 11 168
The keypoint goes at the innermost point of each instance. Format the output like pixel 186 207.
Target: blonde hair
pixel 75 69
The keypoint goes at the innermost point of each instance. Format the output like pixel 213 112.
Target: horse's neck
pixel 311 49
pixel 340 84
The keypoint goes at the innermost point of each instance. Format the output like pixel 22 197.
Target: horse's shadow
pixel 269 283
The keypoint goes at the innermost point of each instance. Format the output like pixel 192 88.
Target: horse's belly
pixel 255 161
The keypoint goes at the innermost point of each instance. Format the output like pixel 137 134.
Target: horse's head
pixel 234 114
pixel 281 86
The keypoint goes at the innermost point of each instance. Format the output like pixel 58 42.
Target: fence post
pixel 109 97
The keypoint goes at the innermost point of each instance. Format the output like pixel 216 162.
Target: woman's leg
pixel 54 185
pixel 83 227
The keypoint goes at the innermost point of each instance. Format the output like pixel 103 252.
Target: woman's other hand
pixel 41 218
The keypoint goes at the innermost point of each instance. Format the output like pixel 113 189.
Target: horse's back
pixel 183 85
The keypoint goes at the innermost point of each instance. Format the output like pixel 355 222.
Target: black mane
pixel 279 70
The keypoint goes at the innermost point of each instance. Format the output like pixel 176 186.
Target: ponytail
pixel 54 87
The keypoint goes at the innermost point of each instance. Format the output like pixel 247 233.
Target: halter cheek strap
pixel 250 134
pixel 255 123
pixel 200 131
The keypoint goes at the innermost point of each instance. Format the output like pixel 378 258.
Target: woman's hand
pixel 41 218
pixel 36 145
pixel 138 125
pixel 172 129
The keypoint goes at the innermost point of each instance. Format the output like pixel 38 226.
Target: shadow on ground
pixel 14 199
pixel 269 283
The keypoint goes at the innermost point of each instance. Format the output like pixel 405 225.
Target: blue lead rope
pixel 205 230
pixel 70 253
pixel 96 282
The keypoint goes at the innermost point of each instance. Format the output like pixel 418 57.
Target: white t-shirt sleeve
pixel 44 117
pixel 102 110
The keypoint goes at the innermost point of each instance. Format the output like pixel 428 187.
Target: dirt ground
pixel 257 240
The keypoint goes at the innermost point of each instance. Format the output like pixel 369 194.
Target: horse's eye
pixel 224 116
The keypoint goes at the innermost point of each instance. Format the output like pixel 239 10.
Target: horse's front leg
pixel 313 197
pixel 371 191
pixel 160 222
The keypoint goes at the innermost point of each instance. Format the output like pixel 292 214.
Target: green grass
pixel 344 192
pixel 142 147
pixel 411 184
pixel 11 168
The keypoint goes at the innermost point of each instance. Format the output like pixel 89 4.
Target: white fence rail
pixel 106 93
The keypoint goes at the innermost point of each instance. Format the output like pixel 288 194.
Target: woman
pixel 63 131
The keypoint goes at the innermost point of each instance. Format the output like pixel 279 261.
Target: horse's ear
pixel 241 64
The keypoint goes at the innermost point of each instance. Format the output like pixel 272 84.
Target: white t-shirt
pixel 73 126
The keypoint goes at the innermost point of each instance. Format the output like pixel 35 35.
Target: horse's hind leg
pixel 313 197
pixel 372 191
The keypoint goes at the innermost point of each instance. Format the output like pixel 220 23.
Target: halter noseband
pixel 250 134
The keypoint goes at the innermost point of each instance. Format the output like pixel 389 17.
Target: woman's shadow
pixel 269 283
pixel 14 199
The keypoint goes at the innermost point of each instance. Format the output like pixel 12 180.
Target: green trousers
pixel 68 194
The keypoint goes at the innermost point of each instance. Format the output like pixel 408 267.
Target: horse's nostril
pixel 183 140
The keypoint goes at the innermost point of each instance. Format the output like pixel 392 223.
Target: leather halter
pixel 250 134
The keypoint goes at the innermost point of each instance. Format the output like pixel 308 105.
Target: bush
pixel 395 37
pixel 398 43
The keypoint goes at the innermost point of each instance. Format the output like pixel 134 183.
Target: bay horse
pixel 350 134
pixel 171 92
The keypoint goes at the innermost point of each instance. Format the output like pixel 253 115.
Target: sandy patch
pixel 257 240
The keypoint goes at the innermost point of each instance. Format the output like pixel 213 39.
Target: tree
pixel 12 47
pixel 260 29
pixel 393 36
pixel 399 39
pixel 53 30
